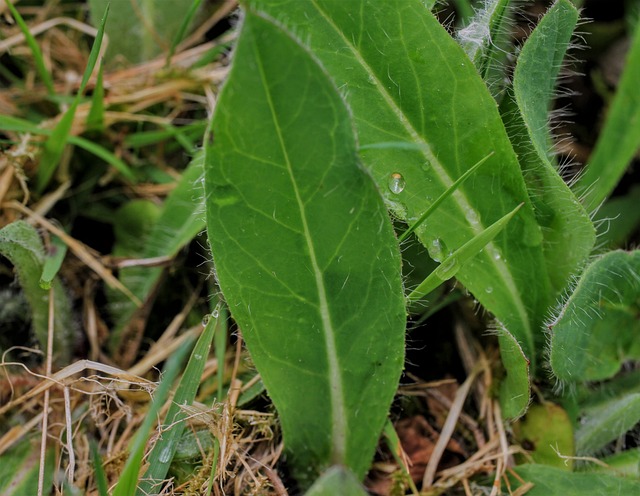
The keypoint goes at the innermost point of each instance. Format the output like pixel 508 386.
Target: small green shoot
pixel 35 49
pixel 54 146
pixel 52 261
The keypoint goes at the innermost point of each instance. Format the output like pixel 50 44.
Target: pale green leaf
pixel 304 252
pixel 597 327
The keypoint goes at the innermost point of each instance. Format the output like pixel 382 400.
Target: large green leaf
pixel 568 232
pixel 304 252
pixel 406 79
pixel 597 328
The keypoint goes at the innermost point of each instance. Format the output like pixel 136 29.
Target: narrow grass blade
pixel 128 480
pixel 20 243
pixel 35 49
pixel 188 133
pixel 174 423
pixel 626 463
pixel 10 123
pixel 337 481
pixel 552 481
pixel 619 140
pixel 186 20
pixel 95 118
pixel 220 339
pixel 98 470
pixel 568 232
pixel 399 81
pixel 449 191
pixel 597 327
pixel 452 264
pixel 52 262
pixel 304 252
pixel 54 146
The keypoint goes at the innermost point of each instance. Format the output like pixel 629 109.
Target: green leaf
pixel 20 467
pixel 515 388
pixel 406 79
pixel 20 243
pixel 620 139
pixel 95 118
pixel 551 481
pixel 568 232
pixel 337 481
pixel 618 218
pixel 606 412
pixel 304 252
pixel 175 422
pixel 626 463
pixel 597 327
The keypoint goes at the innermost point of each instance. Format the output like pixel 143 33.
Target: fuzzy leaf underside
pixel 304 252
pixel 568 232
pixel 21 244
pixel 598 326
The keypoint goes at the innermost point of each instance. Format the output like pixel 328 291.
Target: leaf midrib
pixel 444 177
pixel 338 411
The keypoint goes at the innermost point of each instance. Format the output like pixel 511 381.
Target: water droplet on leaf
pixel 215 313
pixel 396 183
pixel 165 455
pixel 206 319
pixel 488 290
pixel 437 250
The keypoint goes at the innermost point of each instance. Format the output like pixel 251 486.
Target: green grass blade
pixel 449 191
pixel 174 423
pixel 408 80
pixel 35 49
pixel 98 470
pixel 304 252
pixel 182 29
pixel 55 144
pixel 20 243
pixel 20 467
pixel 337 481
pixel 452 264
pixel 515 387
pixel 597 327
pixel 95 118
pixel 568 232
pixel 52 262
pixel 128 481
pixel 619 140
pixel 552 481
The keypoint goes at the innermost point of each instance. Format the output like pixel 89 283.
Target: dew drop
pixel 396 183
pixel 206 319
pixel 215 314
pixel 472 217
pixel 165 455
pixel 448 268
pixel 437 250
pixel 488 290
